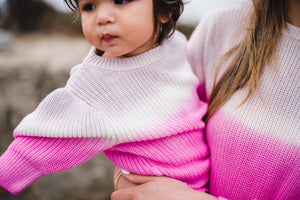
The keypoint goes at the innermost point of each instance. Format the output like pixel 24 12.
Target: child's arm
pixel 29 158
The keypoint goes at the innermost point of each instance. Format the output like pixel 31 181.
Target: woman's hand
pixel 156 188
pixel 122 182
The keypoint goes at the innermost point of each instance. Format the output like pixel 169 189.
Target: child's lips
pixel 108 38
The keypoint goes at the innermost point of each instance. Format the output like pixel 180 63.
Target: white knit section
pixel 147 96
pixel 279 115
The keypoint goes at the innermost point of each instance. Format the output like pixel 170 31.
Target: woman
pixel 247 59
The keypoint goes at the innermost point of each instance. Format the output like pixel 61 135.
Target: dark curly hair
pixel 170 9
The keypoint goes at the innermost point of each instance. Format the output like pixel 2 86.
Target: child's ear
pixel 164 19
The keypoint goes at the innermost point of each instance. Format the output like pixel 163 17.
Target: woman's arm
pixel 155 188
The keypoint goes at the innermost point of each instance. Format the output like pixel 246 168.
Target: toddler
pixel 134 98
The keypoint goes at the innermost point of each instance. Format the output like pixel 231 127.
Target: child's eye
pixel 88 7
pixel 122 1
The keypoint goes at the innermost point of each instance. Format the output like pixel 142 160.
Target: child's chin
pixel 115 55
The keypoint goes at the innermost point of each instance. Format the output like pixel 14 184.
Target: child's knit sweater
pixel 255 148
pixel 143 112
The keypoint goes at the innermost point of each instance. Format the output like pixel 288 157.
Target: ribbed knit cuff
pixel 16 173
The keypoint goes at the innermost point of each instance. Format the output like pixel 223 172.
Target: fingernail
pixel 125 171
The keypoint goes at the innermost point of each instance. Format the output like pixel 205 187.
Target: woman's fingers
pixel 139 179
pixel 141 188
pixel 157 188
pixel 124 183
pixel 149 188
pixel 124 194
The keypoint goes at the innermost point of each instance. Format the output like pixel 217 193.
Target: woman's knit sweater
pixel 143 112
pixel 255 148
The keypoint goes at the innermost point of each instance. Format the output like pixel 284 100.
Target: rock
pixel 6 38
pixel 30 16
pixel 30 68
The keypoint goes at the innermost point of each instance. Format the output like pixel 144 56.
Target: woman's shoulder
pixel 222 25
pixel 228 17
pixel 217 32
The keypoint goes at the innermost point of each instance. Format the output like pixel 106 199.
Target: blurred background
pixel 39 43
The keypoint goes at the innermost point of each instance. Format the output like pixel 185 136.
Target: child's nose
pixel 105 14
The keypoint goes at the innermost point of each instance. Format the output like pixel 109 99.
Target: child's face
pixel 120 28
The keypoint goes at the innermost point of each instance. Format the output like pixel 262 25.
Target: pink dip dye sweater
pixel 255 148
pixel 143 112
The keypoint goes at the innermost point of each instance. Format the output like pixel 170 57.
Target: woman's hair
pixel 251 55
pixel 167 9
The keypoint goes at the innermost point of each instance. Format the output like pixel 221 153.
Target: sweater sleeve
pixel 29 158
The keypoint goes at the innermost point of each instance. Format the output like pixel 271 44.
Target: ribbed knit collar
pixel 292 31
pixel 119 64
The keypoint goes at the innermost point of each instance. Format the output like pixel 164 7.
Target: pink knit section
pixel 29 158
pixel 247 164
pixel 182 156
